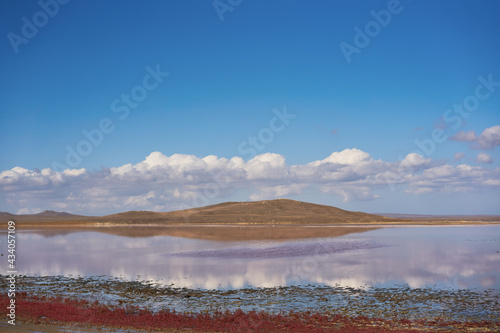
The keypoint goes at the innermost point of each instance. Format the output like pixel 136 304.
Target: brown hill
pixel 270 212
pixel 280 211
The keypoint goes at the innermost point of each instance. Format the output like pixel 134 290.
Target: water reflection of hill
pixel 216 233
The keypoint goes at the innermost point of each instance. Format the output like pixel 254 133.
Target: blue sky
pixel 354 120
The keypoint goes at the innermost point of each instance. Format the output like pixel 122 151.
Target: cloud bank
pixel 163 183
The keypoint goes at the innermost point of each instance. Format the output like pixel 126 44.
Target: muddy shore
pixel 400 307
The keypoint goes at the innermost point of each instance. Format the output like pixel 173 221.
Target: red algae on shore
pixel 57 310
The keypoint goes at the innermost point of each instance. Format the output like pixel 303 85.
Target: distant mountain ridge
pixel 6 214
pixel 54 213
pixel 44 213
pixel 45 216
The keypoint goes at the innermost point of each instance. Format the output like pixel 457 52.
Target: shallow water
pixel 445 257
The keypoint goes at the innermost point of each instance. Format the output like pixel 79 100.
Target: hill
pixel 279 211
pixel 270 212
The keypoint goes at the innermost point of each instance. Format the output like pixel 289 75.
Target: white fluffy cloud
pixel 484 158
pixel 178 181
pixel 488 139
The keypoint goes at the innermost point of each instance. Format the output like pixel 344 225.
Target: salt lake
pixel 444 257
